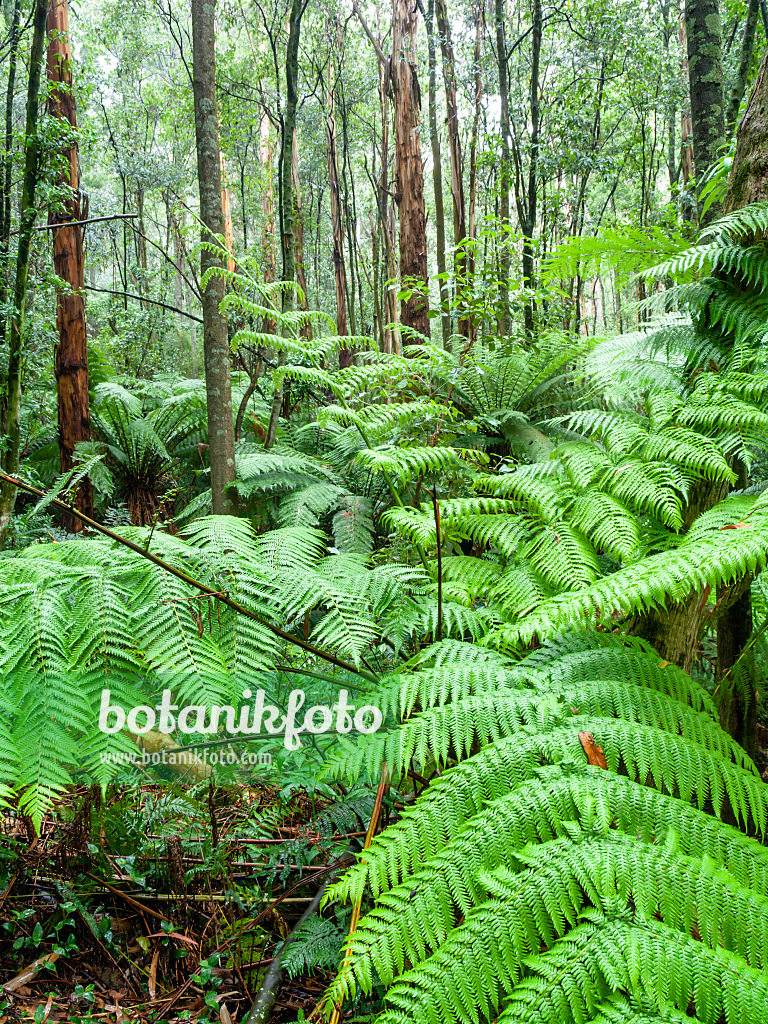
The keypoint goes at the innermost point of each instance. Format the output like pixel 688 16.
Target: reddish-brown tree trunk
pixel 409 187
pixel 72 347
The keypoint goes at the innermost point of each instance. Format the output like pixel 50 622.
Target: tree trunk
pixel 409 185
pixel 298 233
pixel 748 184
pixel 286 197
pixel 749 174
pixel 454 148
pixel 705 71
pixel 216 351
pixel 687 168
pixel 72 349
pixel 26 229
pixel 478 97
pixel 267 212
pixel 437 172
pixel 339 275
pixel 745 62
pixel 504 168
pixel 675 632
pixel 529 222
pixel 226 212
pixel 5 204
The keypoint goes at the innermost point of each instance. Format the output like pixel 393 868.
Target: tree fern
pixel 523 867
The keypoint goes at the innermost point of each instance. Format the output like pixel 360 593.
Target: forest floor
pixel 157 907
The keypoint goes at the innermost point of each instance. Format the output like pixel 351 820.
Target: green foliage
pixel 527 884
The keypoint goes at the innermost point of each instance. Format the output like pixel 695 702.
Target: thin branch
pixel 374 41
pixel 192 285
pixel 71 223
pixel 141 298
pixel 62 506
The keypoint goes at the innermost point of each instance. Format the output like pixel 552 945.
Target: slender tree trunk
pixel 409 188
pixel 386 214
pixel 687 168
pixel 705 71
pixel 26 230
pixel 478 91
pixel 5 207
pixel 216 351
pixel 339 275
pixel 529 226
pixel 437 172
pixel 267 212
pixel 458 203
pixel 72 348
pixel 745 62
pixel 286 196
pixel 504 168
pixel 298 231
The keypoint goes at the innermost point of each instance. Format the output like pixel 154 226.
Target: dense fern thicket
pixel 574 863
pixel 517 553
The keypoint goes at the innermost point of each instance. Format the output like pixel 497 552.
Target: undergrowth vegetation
pixel 526 558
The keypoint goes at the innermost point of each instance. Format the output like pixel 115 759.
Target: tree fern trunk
pixel 675 632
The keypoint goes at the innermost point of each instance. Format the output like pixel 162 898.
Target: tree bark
pixel 739 85
pixel 298 232
pixel 216 351
pixel 528 223
pixel 339 275
pixel 267 212
pixel 504 168
pixel 477 102
pixel 26 230
pixel 458 203
pixel 5 204
pixel 749 174
pixel 409 178
pixel 748 184
pixel 687 169
pixel 705 71
pixel 437 172
pixel 286 197
pixel 72 349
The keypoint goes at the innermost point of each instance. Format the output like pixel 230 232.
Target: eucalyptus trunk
pixel 437 171
pixel 339 274
pixel 216 351
pixel 504 168
pixel 71 356
pixel 286 196
pixel 458 203
pixel 409 187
